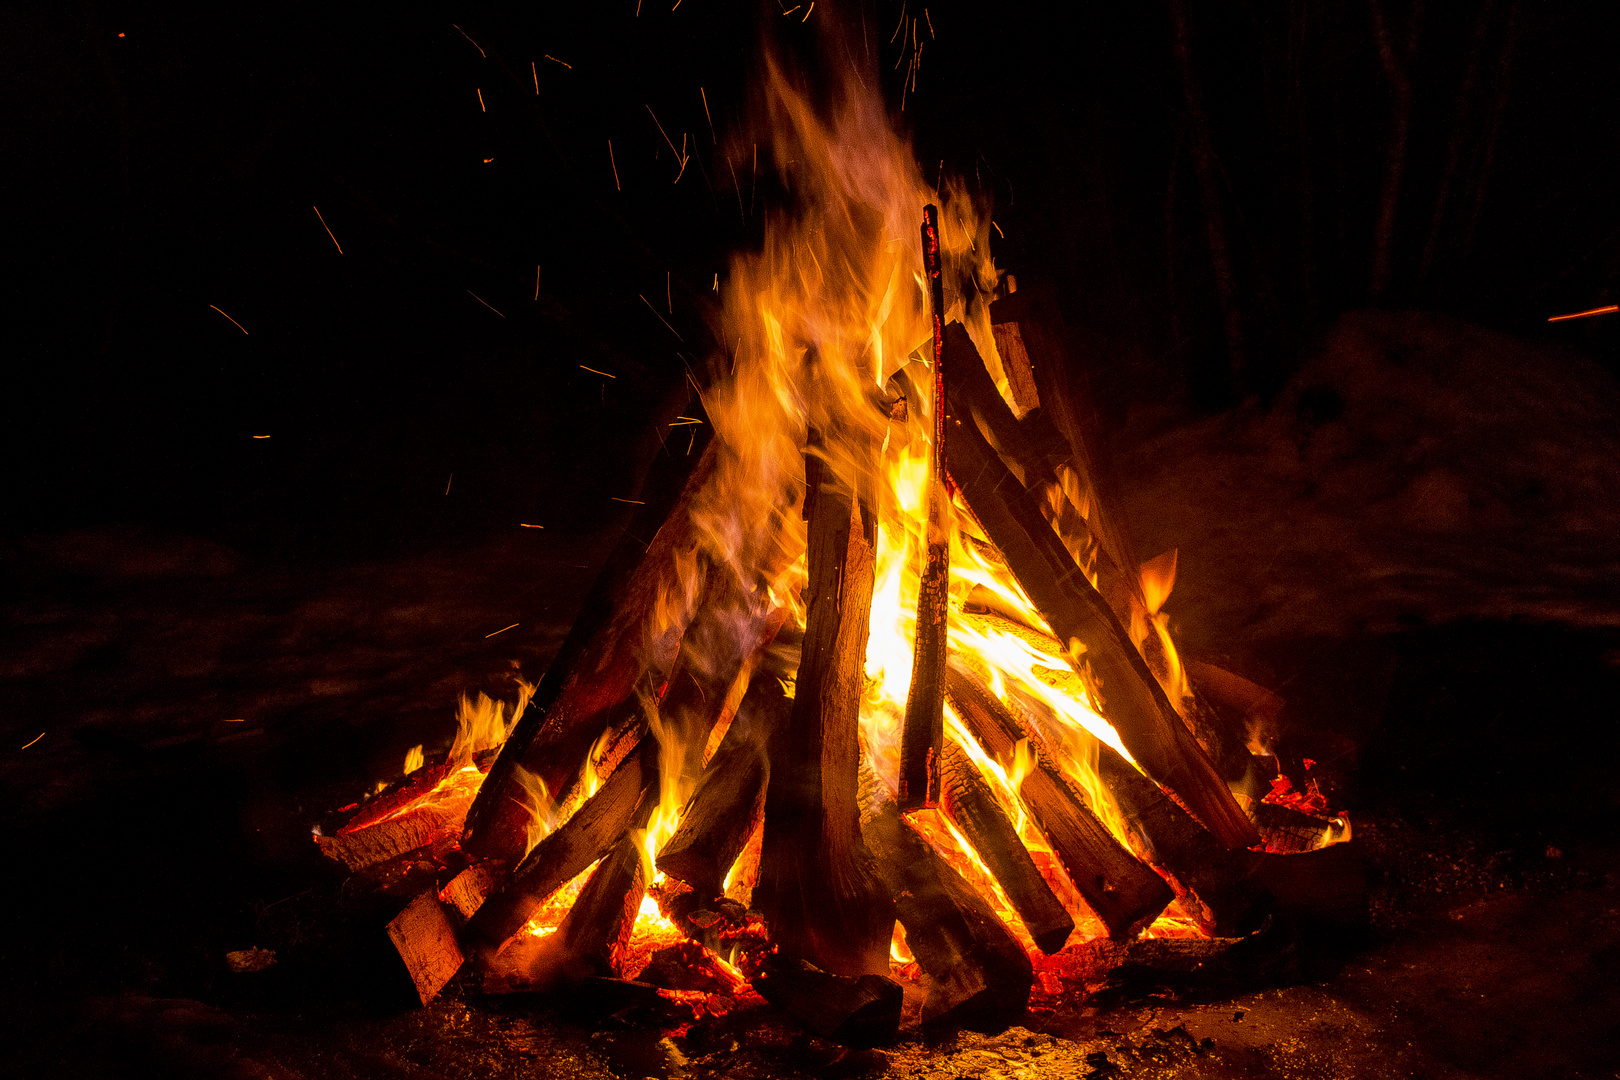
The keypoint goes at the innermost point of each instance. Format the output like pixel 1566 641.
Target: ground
pixel 1433 596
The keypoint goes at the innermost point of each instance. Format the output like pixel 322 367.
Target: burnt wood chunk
pixel 426 942
pixel 729 802
pixel 1125 894
pixel 1211 881
pixel 816 887
pixel 1134 701
pixel 624 801
pixel 600 660
pixel 969 802
pixel 978 975
pixel 922 732
pixel 430 825
pixel 858 1012
pixel 592 937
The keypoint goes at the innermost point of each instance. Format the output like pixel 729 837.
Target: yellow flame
pixel 413 759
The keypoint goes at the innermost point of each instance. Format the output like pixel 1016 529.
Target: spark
pixel 716 282
pixel 638 9
pixel 448 482
pixel 930 25
pixel 632 502
pixel 792 9
pixel 615 165
pixel 999 233
pixel 488 160
pixel 811 8
pixel 684 421
pixel 480 94
pixel 660 318
pixel 712 137
pixel 535 71
pixel 41 735
pixel 1607 309
pixel 593 371
pixel 677 4
pixel 328 229
pixel 669 298
pixel 475 44
pixel 257 436
pixel 679 155
pixel 236 720
pixel 537 282
pixel 564 63
pixel 502 630
pixel 526 525
pixel 238 325
pixel 900 25
pixel 486 303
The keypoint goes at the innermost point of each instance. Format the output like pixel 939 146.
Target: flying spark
pixel 328 229
pixel 475 44
pixel 502 630
pixel 238 325
pixel 564 63
pixel 593 371
pixel 486 303
pixel 1608 309
pixel 41 735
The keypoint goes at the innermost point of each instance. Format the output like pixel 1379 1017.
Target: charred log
pixel 967 799
pixel 979 976
pixel 426 942
pixel 816 886
pixel 593 934
pixel 625 801
pixel 859 1012
pixel 599 662
pixel 1118 888
pixel 922 733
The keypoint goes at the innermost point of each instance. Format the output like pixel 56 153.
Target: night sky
pixel 162 164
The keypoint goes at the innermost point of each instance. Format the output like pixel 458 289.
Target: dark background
pixel 153 174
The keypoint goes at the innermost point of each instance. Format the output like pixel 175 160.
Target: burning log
pixel 860 1012
pixel 625 801
pixel 1122 892
pixel 427 944
pixel 922 735
pixel 968 801
pixel 816 885
pixel 1136 705
pixel 598 663
pixel 729 802
pixel 431 824
pixel 979 976
pixel 596 929
pixel 1212 881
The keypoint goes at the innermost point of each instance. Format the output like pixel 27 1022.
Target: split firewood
pixel 429 825
pixel 426 942
pixel 971 805
pixel 729 803
pixel 816 888
pixel 467 891
pixel 1125 894
pixel 601 659
pixel 1077 615
pixel 858 1012
pixel 978 975
pixel 1211 881
pixel 624 801
pixel 592 936
pixel 922 729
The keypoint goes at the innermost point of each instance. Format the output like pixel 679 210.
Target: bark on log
pixel 426 942
pixel 816 885
pixel 967 799
pixel 1135 702
pixel 625 801
pixel 922 732
pixel 979 976
pixel 600 660
pixel 1119 889
pixel 858 1012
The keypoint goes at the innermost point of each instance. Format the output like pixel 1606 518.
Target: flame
pixel 413 759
